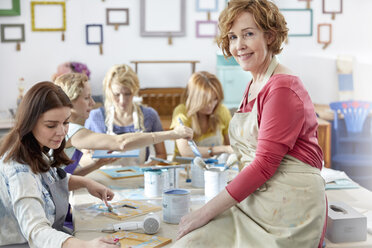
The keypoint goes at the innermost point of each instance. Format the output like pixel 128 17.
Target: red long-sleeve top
pixel 287 125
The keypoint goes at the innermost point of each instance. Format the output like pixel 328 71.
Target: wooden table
pixel 324 139
pixel 360 199
pixel 83 222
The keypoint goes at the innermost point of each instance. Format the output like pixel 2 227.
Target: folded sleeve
pixel 29 210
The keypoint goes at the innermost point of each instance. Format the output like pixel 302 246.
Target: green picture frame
pixel 18 39
pixel 14 11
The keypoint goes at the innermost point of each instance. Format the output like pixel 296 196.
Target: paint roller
pixel 150 225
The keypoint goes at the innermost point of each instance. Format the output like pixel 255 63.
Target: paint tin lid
pixel 153 172
pixel 177 192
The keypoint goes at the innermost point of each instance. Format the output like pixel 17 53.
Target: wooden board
pixel 122 213
pixel 116 154
pixel 122 172
pixel 131 239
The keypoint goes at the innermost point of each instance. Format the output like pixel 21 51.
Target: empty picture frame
pixel 10 8
pixel 307 3
pixel 206 5
pixel 48 16
pixel 206 29
pixel 299 21
pixel 155 23
pixel 324 34
pixel 117 16
pixel 94 34
pixel 332 7
pixel 12 32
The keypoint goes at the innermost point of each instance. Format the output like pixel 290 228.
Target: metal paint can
pixel 176 204
pixel 215 180
pixel 197 176
pixel 171 178
pixel 154 183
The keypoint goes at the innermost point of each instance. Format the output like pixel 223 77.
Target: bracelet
pixel 210 151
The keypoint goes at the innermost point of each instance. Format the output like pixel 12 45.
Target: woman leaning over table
pixel 203 111
pixel 77 87
pixel 278 198
pixel 121 114
pixel 33 187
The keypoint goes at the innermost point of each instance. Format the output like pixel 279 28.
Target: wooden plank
pixel 324 140
pixel 131 239
pixel 122 172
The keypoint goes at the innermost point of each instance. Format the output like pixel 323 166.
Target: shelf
pixel 192 62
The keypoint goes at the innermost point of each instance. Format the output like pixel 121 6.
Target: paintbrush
pixel 111 209
pixel 200 162
pixel 191 143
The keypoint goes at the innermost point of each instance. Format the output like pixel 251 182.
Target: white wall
pixel 44 51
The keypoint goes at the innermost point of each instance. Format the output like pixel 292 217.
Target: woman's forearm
pixel 77 182
pixel 137 140
pixel 218 205
pixel 84 170
pixel 205 214
pixel 206 151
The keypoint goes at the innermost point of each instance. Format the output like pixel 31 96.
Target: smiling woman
pixel 274 137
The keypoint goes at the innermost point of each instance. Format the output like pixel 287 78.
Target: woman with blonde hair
pixel 122 114
pixel 77 87
pixel 203 111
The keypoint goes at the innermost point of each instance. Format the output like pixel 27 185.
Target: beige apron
pixel 215 140
pixel 287 211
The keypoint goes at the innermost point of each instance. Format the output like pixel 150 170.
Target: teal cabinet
pixel 234 82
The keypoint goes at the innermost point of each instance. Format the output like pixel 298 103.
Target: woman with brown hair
pixel 278 198
pixel 33 188
pixel 203 111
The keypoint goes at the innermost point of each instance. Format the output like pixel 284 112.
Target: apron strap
pixel 270 70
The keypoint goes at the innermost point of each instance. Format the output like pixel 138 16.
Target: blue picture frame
pixel 87 34
pixel 307 28
pixel 199 9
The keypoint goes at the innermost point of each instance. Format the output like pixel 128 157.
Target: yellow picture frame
pixel 63 6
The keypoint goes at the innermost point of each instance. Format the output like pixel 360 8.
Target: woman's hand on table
pixel 203 215
pixel 104 242
pixel 191 222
